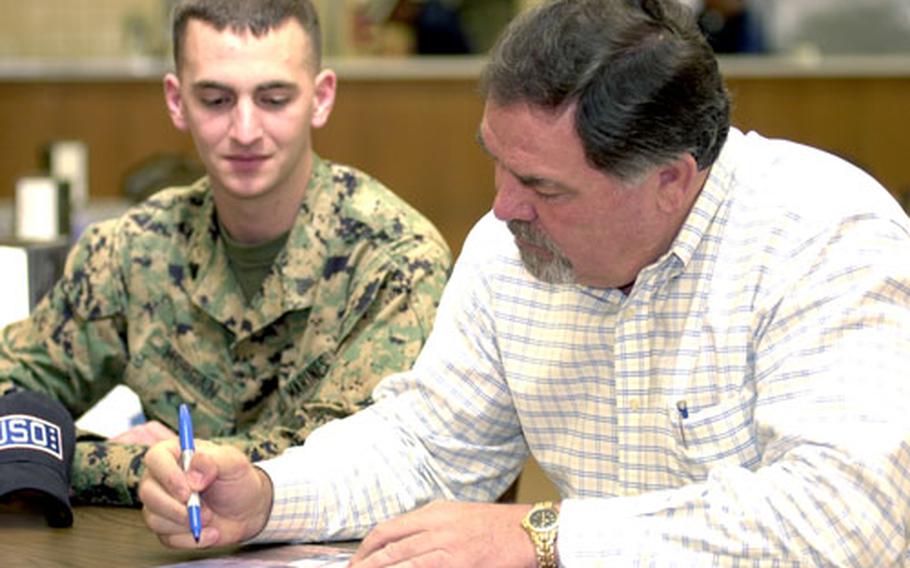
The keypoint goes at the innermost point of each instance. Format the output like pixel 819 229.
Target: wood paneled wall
pixel 418 135
pixel 863 119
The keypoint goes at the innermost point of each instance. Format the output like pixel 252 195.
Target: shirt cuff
pixel 627 531
pixel 290 509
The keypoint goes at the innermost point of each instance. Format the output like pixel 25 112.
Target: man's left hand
pixel 450 534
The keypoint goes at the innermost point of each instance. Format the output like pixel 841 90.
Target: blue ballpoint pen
pixel 187 448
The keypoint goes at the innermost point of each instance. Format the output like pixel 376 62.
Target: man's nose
pixel 512 201
pixel 246 127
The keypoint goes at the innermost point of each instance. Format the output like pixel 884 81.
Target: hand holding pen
pixel 187 448
pixel 238 495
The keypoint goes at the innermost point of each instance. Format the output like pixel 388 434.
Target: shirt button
pixel 634 404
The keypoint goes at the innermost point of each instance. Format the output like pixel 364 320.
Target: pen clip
pixel 683 410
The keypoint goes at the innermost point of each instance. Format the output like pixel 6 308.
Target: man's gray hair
pixel 645 80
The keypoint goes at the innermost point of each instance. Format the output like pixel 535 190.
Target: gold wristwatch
pixel 540 523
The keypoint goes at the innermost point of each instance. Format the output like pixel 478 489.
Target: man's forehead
pixel 288 39
pixel 518 116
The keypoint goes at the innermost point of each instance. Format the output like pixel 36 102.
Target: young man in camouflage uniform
pixel 271 295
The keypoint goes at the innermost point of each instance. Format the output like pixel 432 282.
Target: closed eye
pixel 276 100
pixel 276 95
pixel 213 96
pixel 541 187
pixel 548 196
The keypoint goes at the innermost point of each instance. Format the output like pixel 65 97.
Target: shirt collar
pixel 292 284
pixel 696 226
pixel 709 201
pixel 301 262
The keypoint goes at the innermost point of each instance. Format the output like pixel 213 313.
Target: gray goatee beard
pixel 554 270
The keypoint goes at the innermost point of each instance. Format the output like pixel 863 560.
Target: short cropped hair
pixel 256 16
pixel 646 82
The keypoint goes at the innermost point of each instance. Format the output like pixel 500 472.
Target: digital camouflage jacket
pixel 149 300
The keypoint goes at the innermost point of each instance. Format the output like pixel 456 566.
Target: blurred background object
pixel 732 26
pixel 158 172
pixel 42 209
pixel 84 28
pixel 838 27
pixel 30 270
pixel 68 160
pixel 823 27
pixel 103 29
pixel 431 27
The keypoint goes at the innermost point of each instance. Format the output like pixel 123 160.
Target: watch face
pixel 543 519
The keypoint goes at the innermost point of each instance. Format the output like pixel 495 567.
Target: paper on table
pixel 291 555
pixel 117 412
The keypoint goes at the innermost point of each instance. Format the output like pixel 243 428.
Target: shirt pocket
pixel 717 434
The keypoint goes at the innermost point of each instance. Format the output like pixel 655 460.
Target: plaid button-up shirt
pixel 779 320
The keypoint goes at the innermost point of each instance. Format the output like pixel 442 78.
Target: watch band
pixel 540 524
pixel 546 552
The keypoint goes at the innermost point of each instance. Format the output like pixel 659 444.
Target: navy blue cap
pixel 37 439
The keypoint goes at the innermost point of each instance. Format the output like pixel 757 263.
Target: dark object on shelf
pixel 159 172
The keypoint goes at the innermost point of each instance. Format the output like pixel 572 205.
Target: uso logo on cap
pixel 21 431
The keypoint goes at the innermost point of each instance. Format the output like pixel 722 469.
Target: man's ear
pixel 323 97
pixel 677 184
pixel 174 101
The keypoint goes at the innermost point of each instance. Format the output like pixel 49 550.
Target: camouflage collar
pixel 290 286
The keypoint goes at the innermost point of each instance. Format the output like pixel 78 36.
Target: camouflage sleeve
pixel 72 346
pixel 389 313
pixel 106 473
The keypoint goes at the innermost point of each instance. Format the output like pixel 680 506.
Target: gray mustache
pixel 524 231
